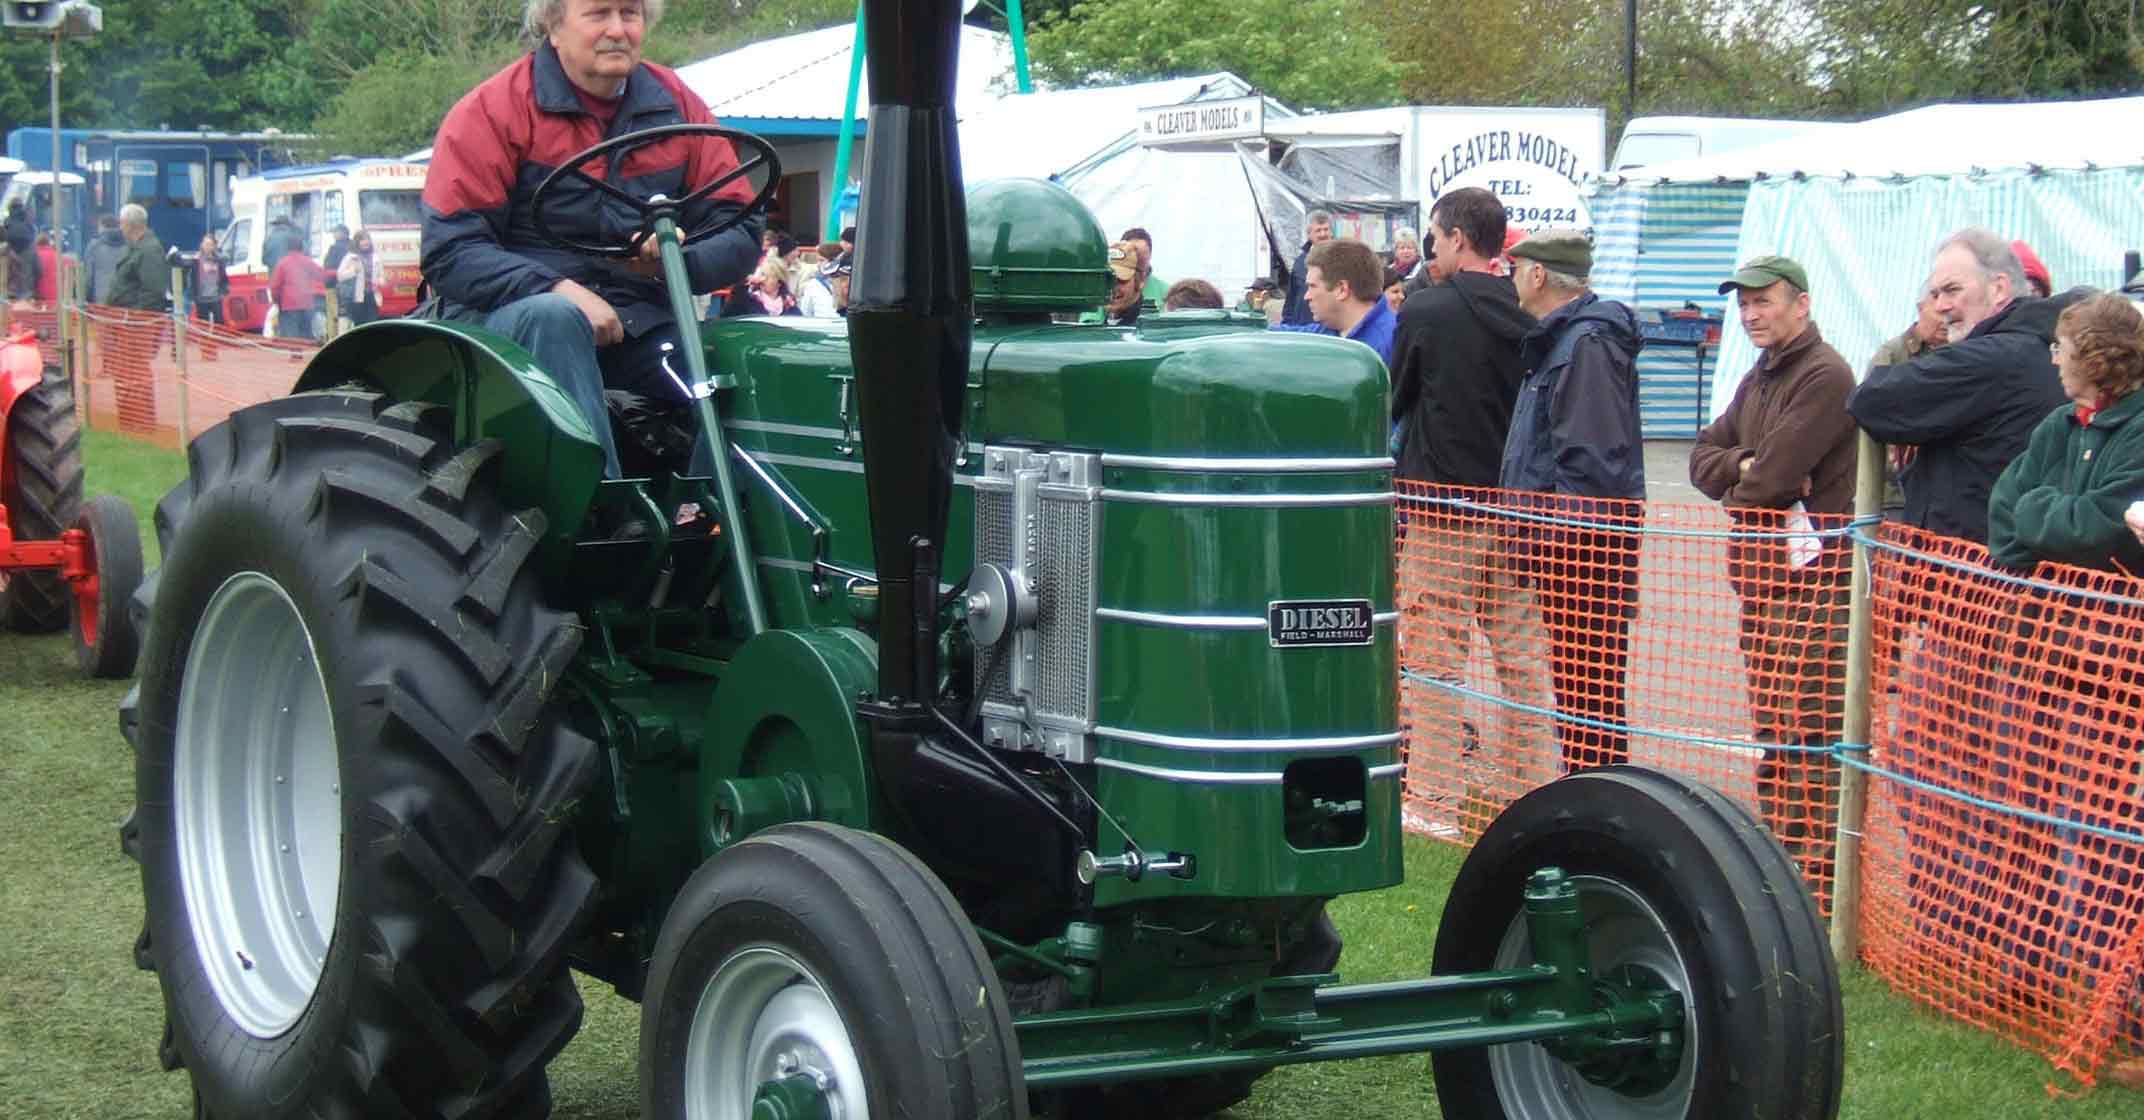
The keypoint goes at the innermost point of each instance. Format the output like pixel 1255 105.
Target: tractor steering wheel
pixel 653 209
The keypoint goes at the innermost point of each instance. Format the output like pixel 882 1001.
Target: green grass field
pixel 79 1025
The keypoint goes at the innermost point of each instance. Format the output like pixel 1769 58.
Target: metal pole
pixel 1017 24
pixel 1630 60
pixel 178 335
pixel 1853 781
pixel 55 222
pixel 848 128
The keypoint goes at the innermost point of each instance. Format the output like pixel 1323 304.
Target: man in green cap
pixel 1784 450
pixel 1575 446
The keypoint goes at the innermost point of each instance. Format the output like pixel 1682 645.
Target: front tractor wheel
pixel 353 795
pixel 1678 888
pixel 105 641
pixel 813 970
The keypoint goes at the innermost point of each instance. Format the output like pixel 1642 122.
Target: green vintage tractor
pixel 982 737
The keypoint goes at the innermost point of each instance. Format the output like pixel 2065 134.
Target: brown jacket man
pixel 1787 438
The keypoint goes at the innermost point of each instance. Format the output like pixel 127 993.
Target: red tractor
pixel 63 561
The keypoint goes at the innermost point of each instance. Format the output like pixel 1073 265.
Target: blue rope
pixel 1994 806
pixel 1639 529
pixel 1618 728
pixel 1848 753
pixel 1996 575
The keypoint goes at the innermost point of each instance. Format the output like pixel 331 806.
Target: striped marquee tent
pixel 1862 208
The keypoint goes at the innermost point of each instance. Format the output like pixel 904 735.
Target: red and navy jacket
pixel 481 248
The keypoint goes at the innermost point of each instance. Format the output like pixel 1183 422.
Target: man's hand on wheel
pixel 602 317
pixel 650 261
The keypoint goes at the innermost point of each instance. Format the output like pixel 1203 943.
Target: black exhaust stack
pixel 910 309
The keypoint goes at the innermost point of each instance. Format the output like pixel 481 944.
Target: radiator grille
pixel 1065 626
pixel 993 545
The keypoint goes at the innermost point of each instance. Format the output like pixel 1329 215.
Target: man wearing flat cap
pixel 1784 449
pixel 1574 440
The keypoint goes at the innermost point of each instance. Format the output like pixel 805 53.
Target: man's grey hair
pixel 1991 254
pixel 540 16
pixel 1316 216
pixel 1560 281
pixel 133 214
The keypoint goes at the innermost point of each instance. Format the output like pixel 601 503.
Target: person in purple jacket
pixel 1345 288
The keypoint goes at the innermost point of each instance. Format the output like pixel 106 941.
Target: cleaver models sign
pixel 1319 622
pixel 1202 122
pixel 1535 175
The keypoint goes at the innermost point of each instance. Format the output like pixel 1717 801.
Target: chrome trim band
pixel 1192 743
pixel 1182 621
pixel 780 459
pixel 1207 621
pixel 1392 771
pixel 1263 466
pixel 1207 777
pixel 1268 501
pixel 807 431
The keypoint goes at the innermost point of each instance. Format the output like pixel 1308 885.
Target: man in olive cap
pixel 1575 443
pixel 1784 449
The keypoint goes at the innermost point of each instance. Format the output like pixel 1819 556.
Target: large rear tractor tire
pixel 43 495
pixel 818 952
pixel 1679 886
pixel 354 795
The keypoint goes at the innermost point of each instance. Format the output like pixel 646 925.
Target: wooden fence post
pixel 1860 651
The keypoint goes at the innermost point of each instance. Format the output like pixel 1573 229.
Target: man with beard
pixel 1968 408
pixel 590 322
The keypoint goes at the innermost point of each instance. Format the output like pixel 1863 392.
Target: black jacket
pixel 1297 308
pixel 1575 428
pixel 1970 407
pixel 1455 377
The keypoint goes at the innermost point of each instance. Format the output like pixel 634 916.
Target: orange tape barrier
pixel 132 379
pixel 2005 834
pixel 2004 840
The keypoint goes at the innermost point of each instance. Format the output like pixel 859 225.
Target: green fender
pixel 495 390
pixel 786 710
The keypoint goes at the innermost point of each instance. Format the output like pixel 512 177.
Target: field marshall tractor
pixel 982 735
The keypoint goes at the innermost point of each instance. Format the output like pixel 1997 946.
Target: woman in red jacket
pixel 48 270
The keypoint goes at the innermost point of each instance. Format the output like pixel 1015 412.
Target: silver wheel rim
pixel 1622 928
pixel 257 805
pixel 763 1015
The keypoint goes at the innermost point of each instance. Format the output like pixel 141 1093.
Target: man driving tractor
pixel 589 321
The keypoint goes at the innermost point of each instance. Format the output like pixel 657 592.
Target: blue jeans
pixel 558 336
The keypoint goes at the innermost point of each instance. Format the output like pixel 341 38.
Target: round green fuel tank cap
pixel 1032 246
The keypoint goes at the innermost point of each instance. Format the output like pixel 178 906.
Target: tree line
pixel 369 78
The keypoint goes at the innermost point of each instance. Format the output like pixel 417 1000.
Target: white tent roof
pixel 1936 140
pixel 806 76
pixel 1047 132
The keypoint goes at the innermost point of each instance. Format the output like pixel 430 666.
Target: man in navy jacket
pixel 1575 450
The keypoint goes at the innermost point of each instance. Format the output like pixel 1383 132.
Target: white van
pixel 380 196
pixel 1651 140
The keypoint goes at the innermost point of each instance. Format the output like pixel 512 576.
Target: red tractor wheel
pixel 105 640
pixel 41 485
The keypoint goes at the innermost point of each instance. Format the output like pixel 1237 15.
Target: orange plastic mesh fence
pixel 2004 837
pixel 1541 633
pixel 131 373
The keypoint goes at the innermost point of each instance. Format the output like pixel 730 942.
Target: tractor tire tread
pixel 467 893
pixel 44 446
